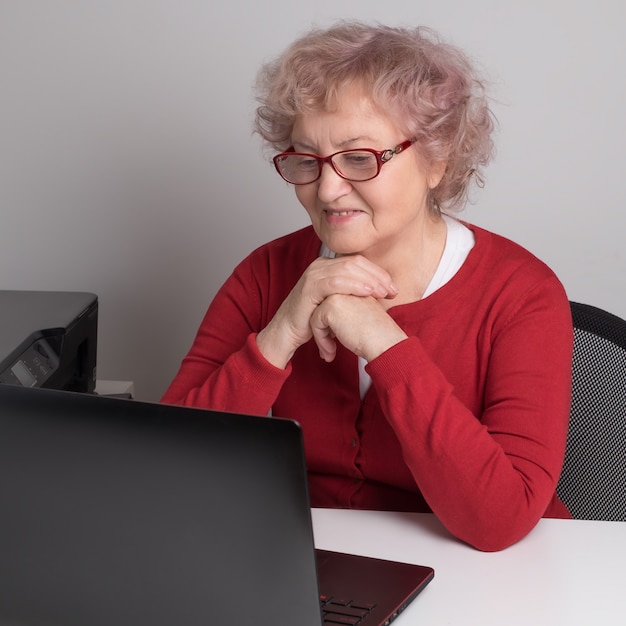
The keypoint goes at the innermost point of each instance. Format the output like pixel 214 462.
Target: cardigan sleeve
pixel 224 369
pixel 244 383
pixel 488 477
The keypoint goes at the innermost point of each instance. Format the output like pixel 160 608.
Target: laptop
pixel 115 512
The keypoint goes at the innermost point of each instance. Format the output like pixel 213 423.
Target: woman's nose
pixel 331 185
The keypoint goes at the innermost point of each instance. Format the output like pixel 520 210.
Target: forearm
pixel 488 477
pixel 244 383
pixel 224 370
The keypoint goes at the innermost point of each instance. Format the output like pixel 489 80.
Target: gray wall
pixel 128 167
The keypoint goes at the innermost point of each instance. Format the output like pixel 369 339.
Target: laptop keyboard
pixel 344 611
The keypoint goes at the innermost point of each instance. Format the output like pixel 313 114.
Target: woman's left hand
pixel 361 324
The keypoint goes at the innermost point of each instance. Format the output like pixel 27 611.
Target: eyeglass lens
pixel 355 165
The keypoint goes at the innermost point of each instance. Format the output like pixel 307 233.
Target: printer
pixel 49 339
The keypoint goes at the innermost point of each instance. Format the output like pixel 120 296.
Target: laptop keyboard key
pixel 366 606
pixel 346 620
pixel 344 611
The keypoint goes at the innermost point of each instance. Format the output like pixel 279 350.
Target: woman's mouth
pixel 348 213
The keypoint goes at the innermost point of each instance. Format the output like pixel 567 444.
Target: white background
pixel 128 167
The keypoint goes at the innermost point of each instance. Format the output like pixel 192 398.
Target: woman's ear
pixel 437 170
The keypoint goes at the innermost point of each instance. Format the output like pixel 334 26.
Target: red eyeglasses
pixel 300 168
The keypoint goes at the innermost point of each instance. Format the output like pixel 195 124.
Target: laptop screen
pixel 121 512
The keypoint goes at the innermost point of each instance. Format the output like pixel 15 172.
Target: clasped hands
pixel 338 299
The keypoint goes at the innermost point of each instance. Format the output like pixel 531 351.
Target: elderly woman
pixel 427 360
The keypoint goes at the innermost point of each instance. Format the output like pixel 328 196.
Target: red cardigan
pixel 466 418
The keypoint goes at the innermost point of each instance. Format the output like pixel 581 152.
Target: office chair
pixel 593 480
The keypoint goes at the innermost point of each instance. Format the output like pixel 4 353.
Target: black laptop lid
pixel 117 512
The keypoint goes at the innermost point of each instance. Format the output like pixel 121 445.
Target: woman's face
pixel 382 215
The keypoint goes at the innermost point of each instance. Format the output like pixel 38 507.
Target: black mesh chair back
pixel 593 480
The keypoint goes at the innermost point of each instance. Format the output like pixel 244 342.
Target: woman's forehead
pixel 354 108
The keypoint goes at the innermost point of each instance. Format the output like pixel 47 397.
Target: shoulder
pixel 506 258
pixel 284 256
pixel 507 280
pixel 265 277
pixel 298 243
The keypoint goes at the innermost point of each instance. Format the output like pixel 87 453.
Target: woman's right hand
pixel 290 327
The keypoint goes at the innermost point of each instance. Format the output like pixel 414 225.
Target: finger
pixel 354 276
pixel 324 339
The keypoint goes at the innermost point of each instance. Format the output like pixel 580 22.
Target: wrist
pixel 380 344
pixel 274 348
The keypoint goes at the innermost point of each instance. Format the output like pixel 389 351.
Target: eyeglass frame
pixel 382 157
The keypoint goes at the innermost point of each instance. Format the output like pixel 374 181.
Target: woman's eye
pixel 306 164
pixel 359 159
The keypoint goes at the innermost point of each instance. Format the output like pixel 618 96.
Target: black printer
pixel 49 339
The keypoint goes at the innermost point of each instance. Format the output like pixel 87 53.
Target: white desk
pixel 115 387
pixel 565 572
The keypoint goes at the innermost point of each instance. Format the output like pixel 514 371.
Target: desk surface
pixel 565 572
